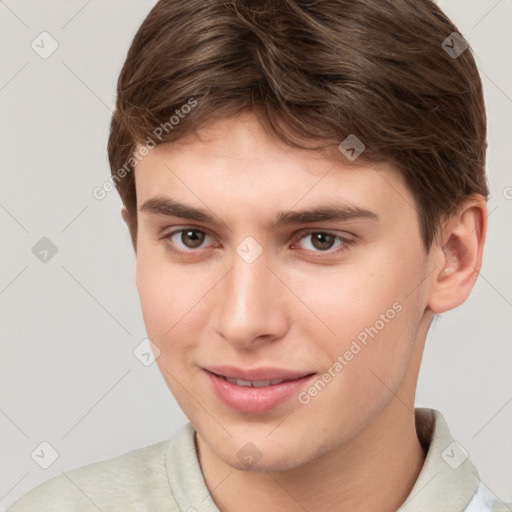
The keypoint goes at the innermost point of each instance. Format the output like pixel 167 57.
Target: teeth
pixel 261 383
pixel 253 383
pixel 245 383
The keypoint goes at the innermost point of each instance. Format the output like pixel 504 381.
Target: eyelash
pixel 345 244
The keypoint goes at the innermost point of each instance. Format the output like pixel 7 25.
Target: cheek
pixel 175 302
pixel 165 295
pixel 368 314
pixel 169 298
pixel 153 289
pixel 350 298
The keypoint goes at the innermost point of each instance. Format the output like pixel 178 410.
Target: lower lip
pixel 256 400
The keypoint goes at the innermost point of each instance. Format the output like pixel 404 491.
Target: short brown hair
pixel 314 69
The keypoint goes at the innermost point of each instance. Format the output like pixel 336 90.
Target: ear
pixel 457 254
pixel 129 222
pixel 124 214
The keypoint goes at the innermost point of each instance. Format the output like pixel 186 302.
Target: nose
pixel 251 305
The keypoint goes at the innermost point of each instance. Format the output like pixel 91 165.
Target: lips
pixel 255 391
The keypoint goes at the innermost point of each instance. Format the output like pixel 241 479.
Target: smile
pixel 256 395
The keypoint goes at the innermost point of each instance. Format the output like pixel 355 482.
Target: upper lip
pixel 256 374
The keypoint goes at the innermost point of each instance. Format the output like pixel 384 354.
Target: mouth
pixel 256 391
pixel 253 383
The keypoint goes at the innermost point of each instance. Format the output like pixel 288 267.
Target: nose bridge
pixel 249 300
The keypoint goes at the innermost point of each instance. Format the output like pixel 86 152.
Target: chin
pixel 267 464
pixel 262 455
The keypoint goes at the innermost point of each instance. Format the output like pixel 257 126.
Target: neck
pixel 374 472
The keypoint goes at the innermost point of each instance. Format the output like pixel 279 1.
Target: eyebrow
pixel 332 211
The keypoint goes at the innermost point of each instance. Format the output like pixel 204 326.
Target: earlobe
pixel 459 253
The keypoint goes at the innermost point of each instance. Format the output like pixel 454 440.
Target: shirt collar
pixel 448 480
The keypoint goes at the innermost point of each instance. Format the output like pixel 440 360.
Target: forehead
pixel 236 163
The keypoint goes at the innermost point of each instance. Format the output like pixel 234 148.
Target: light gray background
pixel 69 326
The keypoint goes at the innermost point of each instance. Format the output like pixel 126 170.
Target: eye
pixel 322 241
pixel 186 239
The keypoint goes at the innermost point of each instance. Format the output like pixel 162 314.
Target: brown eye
pixel 322 241
pixel 192 238
pixel 186 241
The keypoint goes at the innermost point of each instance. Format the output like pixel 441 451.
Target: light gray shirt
pixel 166 476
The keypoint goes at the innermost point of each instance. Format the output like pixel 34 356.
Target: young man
pixel 304 187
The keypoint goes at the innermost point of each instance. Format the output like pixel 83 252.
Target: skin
pixel 298 306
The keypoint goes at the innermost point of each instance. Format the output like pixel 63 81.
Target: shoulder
pixel 134 481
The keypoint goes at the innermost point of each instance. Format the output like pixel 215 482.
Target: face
pixel 282 288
